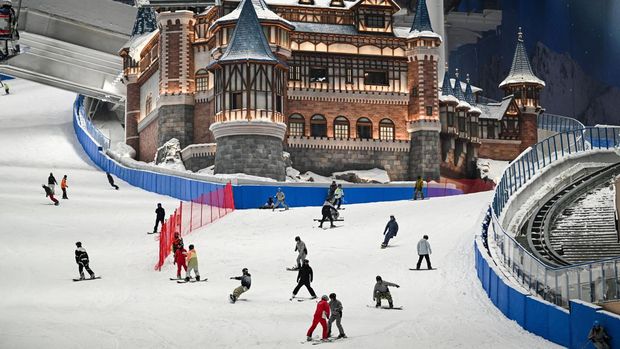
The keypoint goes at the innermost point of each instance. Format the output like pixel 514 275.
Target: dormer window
pixel 336 3
pixel 306 2
pixel 374 21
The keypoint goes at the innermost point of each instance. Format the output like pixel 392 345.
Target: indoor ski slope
pixel 136 307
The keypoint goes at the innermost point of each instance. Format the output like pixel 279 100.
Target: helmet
pixel 297 238
pixel 244 270
pixel 306 261
pixel 332 295
pixel 191 247
pixel 78 244
pixel 378 278
pixel 596 324
pixel 324 297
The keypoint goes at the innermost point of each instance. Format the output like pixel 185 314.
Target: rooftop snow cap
pixel 521 70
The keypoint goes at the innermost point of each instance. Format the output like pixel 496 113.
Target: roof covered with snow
pixel 317 3
pixel 495 111
pixel 248 41
pixel 324 28
pixel 137 43
pixel 262 11
pixel 421 27
pixel 475 89
pixel 521 70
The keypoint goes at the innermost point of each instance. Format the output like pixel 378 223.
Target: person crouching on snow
pixel 382 291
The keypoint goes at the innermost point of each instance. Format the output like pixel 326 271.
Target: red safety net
pixel 192 215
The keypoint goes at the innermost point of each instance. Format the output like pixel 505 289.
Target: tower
pixel 423 114
pixel 525 86
pixel 250 83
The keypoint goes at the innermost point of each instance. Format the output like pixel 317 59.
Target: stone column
pixel 132 114
pixel 425 149
pixel 528 128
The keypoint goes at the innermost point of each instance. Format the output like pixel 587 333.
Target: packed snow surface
pixel 133 306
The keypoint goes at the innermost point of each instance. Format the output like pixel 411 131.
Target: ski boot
pixel 313 297
pixel 187 279
pixel 309 339
pixel 197 277
pixel 233 298
pixel 340 336
pixel 92 276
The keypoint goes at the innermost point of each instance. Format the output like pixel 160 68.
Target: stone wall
pixel 250 154
pixel 425 156
pixel 197 163
pixel 203 118
pixel 176 121
pixel 132 113
pixel 148 142
pixel 497 149
pixel 529 130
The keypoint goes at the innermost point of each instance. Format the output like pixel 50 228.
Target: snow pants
pixel 387 238
pixel 601 345
pixel 53 199
pixel 300 259
pixel 418 192
pixel 192 266
pixel 337 203
pixel 157 221
pixel 82 266
pixel 239 291
pixel 383 295
pixel 64 193
pixel 335 318
pixel 179 266
pixel 304 283
pixel 280 202
pixel 428 261
pixel 315 322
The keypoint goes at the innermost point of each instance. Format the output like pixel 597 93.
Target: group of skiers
pixel 331 206
pixel 50 188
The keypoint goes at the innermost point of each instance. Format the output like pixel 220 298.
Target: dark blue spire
pixel 458 91
pixel 421 21
pixel 146 21
pixel 446 88
pixel 469 94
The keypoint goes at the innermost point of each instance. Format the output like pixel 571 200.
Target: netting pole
pixel 191 216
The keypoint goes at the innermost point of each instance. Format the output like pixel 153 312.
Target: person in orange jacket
pixel 321 314
pixel 192 264
pixel 64 186
pixel 180 255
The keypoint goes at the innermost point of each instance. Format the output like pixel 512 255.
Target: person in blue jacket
pixel 390 231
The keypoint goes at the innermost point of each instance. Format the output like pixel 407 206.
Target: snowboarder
pixel 280 200
pixel 6 88
pixel 338 196
pixel 268 204
pixel 246 282
pixel 51 182
pixel 160 215
pixel 419 185
pixel 177 243
pixel 81 258
pixel 326 211
pixel 424 251
pixel 336 315
pixel 304 278
pixel 111 180
pixel 382 291
pixel 302 251
pixel 598 336
pixel 180 257
pixel 391 229
pixel 64 186
pixel 49 193
pixel 192 264
pixel 321 314
pixel 332 189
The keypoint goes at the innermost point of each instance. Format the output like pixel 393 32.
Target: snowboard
pixel 292 269
pixel 190 281
pixel 302 299
pixel 86 279
pixel 422 269
pixel 341 219
pixel 384 307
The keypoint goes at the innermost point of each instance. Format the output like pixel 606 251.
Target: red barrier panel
pixel 193 215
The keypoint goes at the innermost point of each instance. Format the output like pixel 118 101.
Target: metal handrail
pixel 558 123
pixel 102 140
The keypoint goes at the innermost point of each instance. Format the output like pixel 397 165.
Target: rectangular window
pixel 318 75
pixel 491 130
pixel 374 21
pixel 236 100
pixel 202 84
pixel 348 76
pixel 278 103
pixel 294 73
pixel 379 78
pixel 341 131
pixel 296 129
pixel 414 91
pixel 386 133
pixel 429 111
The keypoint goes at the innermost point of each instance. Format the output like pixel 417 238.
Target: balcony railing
pixel 249 115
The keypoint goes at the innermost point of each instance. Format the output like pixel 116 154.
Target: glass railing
pixel 593 281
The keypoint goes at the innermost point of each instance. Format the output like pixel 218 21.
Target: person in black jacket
pixel 51 182
pixel 81 258
pixel 159 218
pixel 390 231
pixel 111 180
pixel 326 211
pixel 246 282
pixel 304 278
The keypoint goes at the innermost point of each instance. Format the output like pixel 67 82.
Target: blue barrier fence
pixel 556 324
pixel 102 140
pixel 558 123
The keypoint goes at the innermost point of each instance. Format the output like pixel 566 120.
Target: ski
pixel 149 233
pixel 190 281
pixel 422 269
pixel 322 341
pixel 292 269
pixel 176 279
pixel 335 220
pixel 86 279
pixel 384 307
pixel 302 299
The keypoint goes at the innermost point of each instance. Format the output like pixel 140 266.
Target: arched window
pixel 364 128
pixel 341 127
pixel 202 80
pixel 296 125
pixel 148 104
pixel 386 130
pixel 318 126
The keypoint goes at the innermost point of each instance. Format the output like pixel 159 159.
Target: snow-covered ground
pixel 136 307
pixel 492 169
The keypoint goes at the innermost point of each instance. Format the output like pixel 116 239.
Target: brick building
pixel 332 82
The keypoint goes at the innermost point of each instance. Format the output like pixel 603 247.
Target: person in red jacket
pixel 179 259
pixel 321 314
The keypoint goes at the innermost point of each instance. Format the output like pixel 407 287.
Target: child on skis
pixel 192 264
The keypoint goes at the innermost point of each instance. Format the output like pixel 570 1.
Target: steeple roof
pixel 458 91
pixel 421 26
pixel 146 21
pixel 248 41
pixel 469 94
pixel 446 94
pixel 521 70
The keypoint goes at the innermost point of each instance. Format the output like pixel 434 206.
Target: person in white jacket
pixel 424 252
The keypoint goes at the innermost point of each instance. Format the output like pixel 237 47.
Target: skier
pixel 338 195
pixel 598 336
pixel 424 251
pixel 160 215
pixel 64 186
pixel 192 264
pixel 326 211
pixel 49 193
pixel 81 258
pixel 336 315
pixel 419 185
pixel 51 182
pixel 280 199
pixel 111 180
pixel 304 278
pixel 6 88
pixel 382 291
pixel 321 314
pixel 177 243
pixel 302 251
pixel 332 189
pixel 246 282
pixel 391 229
pixel 180 256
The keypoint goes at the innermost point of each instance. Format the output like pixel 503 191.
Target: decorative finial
pixel 446 65
pixel 467 78
pixel 520 35
pixel 456 73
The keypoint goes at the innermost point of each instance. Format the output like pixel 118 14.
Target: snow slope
pixel 136 307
